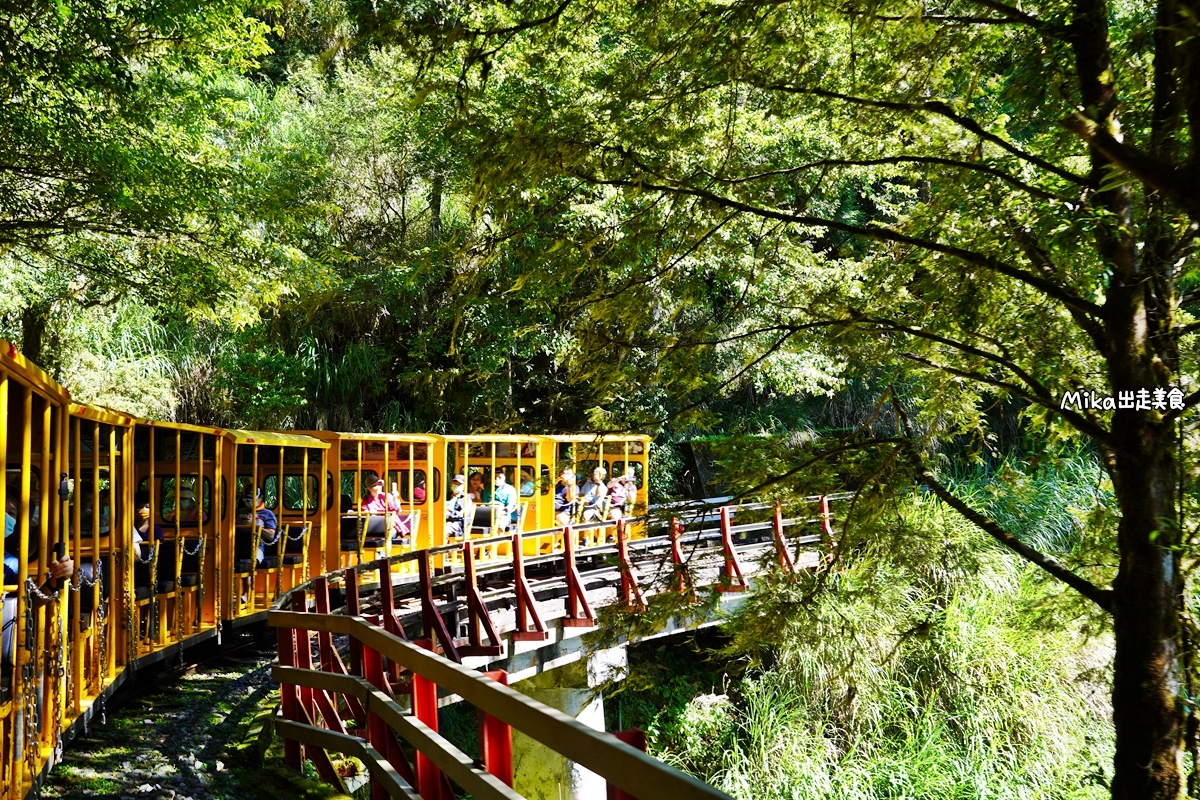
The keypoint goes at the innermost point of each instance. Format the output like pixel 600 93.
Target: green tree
pixel 129 164
pixel 985 200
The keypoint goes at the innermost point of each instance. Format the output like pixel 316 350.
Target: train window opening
pixel 619 469
pixel 421 492
pixel 12 511
pixel 85 495
pixel 293 493
pixel 270 491
pixel 367 477
pixel 189 512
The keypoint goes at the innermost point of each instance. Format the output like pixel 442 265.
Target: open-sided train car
pixel 168 529
pixel 33 677
pixel 615 454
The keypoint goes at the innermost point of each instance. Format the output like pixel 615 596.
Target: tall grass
pixel 924 666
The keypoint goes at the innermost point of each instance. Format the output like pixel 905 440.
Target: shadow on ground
pixel 177 735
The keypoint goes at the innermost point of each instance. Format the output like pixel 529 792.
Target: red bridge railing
pixel 388 692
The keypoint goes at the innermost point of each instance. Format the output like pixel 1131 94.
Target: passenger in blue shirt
pixel 505 496
pixel 270 525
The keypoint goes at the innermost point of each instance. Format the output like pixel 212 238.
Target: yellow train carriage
pixel 413 473
pixel 290 474
pixel 615 454
pixel 100 521
pixel 33 674
pixel 526 460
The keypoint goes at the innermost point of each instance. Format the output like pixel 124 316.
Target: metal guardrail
pixel 353 709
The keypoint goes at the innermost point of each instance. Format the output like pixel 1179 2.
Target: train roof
pixel 493 437
pixel 274 438
pixel 598 437
pixel 12 359
pixel 332 436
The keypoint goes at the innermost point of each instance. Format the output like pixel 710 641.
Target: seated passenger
pixel 419 492
pixel 565 494
pixel 87 530
pixel 505 497
pixel 528 486
pixel 618 497
pixel 141 526
pixel 377 501
pixel 270 525
pixel 592 495
pixel 59 570
pixel 456 509
pixel 347 504
pixel 475 489
pixel 188 511
pixel 631 489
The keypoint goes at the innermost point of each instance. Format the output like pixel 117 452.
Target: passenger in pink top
pixel 377 501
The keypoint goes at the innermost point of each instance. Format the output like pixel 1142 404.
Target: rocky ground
pixel 186 734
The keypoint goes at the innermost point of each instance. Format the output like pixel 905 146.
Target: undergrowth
pixel 925 664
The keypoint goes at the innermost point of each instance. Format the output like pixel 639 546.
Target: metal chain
pixel 154 621
pixel 133 632
pixel 81 581
pixel 186 552
pixel 36 592
pixel 29 686
pixel 102 632
pixel 58 670
pixel 199 621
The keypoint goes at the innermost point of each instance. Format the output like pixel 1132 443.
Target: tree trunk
pixel 34 318
pixel 1147 594
pixel 435 209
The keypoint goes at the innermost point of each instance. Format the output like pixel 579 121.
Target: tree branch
pixel 1101 597
pixel 995 172
pixel 941 109
pixel 1171 182
pixel 1047 287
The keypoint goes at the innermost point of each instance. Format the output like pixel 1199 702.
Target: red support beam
pixel 425 708
pixel 350 585
pixel 579 612
pixel 683 579
pixel 293 753
pixel 631 593
pixel 827 528
pixel 526 607
pixel 477 612
pixel 435 626
pixel 636 739
pixel 320 760
pixel 331 660
pixel 324 638
pixel 387 600
pixel 781 549
pixel 377 727
pixel 733 568
pixel 303 640
pixel 495 739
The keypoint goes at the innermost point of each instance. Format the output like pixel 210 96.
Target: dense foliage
pixel 670 216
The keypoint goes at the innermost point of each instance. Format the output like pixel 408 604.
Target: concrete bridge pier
pixel 539 772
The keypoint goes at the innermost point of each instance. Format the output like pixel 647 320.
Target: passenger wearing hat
pixel 270 525
pixel 377 501
pixel 456 508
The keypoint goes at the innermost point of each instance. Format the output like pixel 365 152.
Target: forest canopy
pixel 871 243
